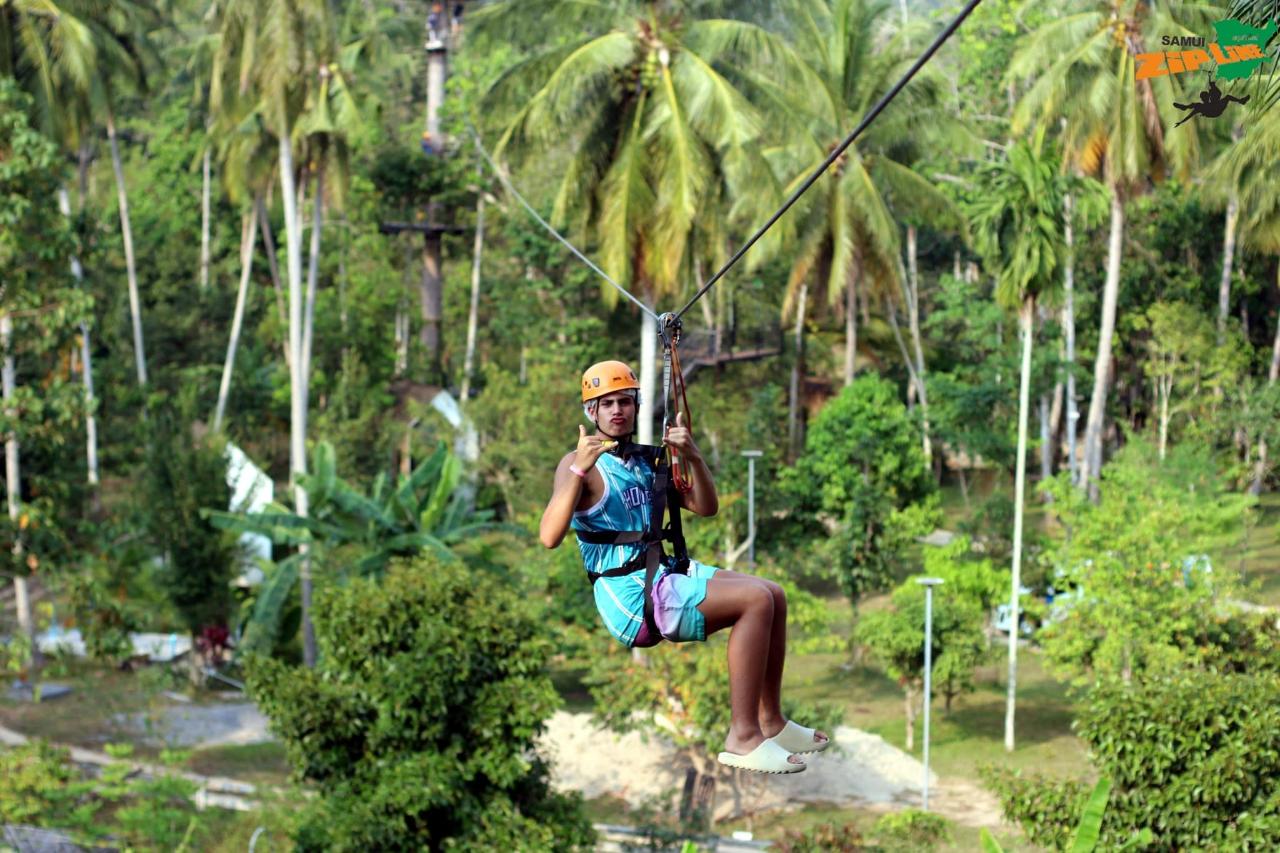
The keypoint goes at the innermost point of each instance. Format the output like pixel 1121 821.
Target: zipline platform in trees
pixel 421 228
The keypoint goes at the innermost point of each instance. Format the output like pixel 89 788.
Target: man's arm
pixel 569 487
pixel 564 499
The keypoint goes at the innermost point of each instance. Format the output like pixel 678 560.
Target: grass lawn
pixel 258 763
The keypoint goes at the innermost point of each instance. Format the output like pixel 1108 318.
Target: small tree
pixel 895 637
pixel 1139 597
pixel 1181 342
pixel 863 469
pixel 417 725
pixel 182 476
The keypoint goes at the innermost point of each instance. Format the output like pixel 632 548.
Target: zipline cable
pixel 502 178
pixel 834 155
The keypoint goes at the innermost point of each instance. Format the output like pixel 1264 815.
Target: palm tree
pixel 64 54
pixel 1018 225
pixel 423 510
pixel 658 119
pixel 1115 127
pixel 844 229
pixel 289 61
pixel 264 47
pixel 1248 167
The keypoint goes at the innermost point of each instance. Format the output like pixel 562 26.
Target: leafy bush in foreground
pixel 417 724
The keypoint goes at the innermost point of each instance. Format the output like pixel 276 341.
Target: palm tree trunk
pixel 204 221
pixel 22 599
pixel 473 313
pixel 1228 257
pixel 648 381
pixel 851 324
pixel 1273 374
pixel 248 231
pixel 797 373
pixel 313 277
pixel 1027 318
pixel 1046 440
pixel 131 269
pixel 913 323
pixel 86 361
pixel 1163 389
pixel 1069 329
pixel 269 246
pixel 297 384
pixel 1102 366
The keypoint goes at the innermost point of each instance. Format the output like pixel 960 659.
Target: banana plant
pixel 358 533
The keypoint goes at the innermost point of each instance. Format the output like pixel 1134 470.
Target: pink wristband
pixel 577 473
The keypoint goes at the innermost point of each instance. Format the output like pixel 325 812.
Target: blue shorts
pixel 675 606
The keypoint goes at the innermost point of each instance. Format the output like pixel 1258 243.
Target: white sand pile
pixel 858 769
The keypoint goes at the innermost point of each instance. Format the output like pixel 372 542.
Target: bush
pixel 864 468
pixel 911 830
pixel 823 838
pixel 1194 758
pixel 41 786
pixel 417 724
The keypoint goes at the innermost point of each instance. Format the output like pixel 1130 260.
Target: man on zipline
pixel 604 489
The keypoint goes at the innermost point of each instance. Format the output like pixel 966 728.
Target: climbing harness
pixel 663 497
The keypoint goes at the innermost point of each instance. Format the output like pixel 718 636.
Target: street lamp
pixel 928 584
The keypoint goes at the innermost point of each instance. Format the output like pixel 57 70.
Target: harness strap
pixel 662 495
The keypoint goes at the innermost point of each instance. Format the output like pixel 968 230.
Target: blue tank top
pixel 624 506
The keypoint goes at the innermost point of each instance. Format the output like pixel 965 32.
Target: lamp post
pixel 928 584
pixel 752 456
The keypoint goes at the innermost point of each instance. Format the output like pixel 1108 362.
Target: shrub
pixel 417 724
pixel 823 838
pixel 911 830
pixel 1195 759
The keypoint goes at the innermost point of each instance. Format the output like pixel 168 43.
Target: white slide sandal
pixel 797 739
pixel 768 757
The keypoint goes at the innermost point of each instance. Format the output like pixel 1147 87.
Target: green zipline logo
pixel 1238 50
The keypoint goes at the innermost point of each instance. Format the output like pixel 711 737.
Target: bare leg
pixel 747 606
pixel 771 719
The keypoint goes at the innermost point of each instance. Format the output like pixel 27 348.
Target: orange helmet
pixel 607 377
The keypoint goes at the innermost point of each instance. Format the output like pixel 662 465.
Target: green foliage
pixel 863 469
pixel 911 830
pixel 182 476
pixel 41 786
pixel 1194 760
pixel 354 534
pixel 38 298
pixel 823 838
pixel 417 725
pixel 1139 600
pixel 1018 223
pixel 895 637
pixel 966 577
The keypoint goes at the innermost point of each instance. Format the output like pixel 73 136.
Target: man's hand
pixel 680 439
pixel 590 448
